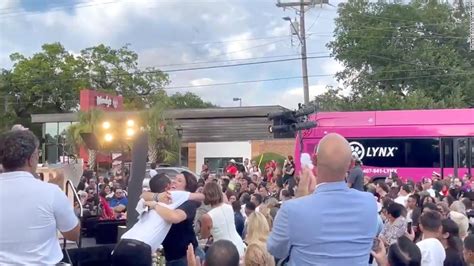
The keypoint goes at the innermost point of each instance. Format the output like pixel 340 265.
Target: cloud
pixel 177 34
pixel 201 82
pixel 291 97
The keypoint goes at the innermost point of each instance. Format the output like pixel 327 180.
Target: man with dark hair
pixel 222 252
pixel 432 250
pixel 160 183
pixel 469 249
pixel 403 195
pixel 382 189
pixel 257 199
pixel 402 253
pixel 31 210
pixel 138 243
pixel 396 225
pixel 238 218
pixel 249 208
pixel 355 179
pixel 427 207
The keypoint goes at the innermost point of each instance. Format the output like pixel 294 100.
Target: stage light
pixel 108 137
pixel 106 125
pixel 130 132
pixel 130 123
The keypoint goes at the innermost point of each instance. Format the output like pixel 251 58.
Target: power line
pixel 243 64
pixel 39 81
pixel 232 60
pixel 81 5
pixel 315 20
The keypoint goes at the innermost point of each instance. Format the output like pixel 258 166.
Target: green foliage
pixel 188 100
pixel 335 100
pixel 88 123
pixel 265 158
pixel 116 70
pixel 163 140
pixel 401 56
pixel 49 81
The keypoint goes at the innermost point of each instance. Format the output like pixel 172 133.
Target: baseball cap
pixel 18 127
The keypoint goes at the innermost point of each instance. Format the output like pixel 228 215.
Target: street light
pixel 238 100
pixel 130 132
pixel 179 130
pixel 108 137
pixel 106 125
pixel 130 123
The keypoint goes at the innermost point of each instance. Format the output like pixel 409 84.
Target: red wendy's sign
pixel 90 99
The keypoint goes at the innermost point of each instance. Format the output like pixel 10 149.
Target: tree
pixel 163 142
pixel 116 70
pixel 88 122
pixel 188 100
pixel 402 56
pixel 49 81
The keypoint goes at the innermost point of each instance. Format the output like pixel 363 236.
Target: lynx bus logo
pixel 359 151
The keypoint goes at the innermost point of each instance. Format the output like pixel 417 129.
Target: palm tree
pixel 163 141
pixel 88 122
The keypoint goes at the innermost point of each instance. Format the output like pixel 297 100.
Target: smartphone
pixel 376 245
pixel 306 161
pixel 409 229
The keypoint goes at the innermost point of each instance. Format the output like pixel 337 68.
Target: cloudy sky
pixel 186 34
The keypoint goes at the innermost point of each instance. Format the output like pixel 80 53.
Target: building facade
pixel 212 135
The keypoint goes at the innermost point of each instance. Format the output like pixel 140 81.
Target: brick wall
pixel 192 157
pixel 283 147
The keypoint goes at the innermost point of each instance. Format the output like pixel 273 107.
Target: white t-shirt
pixel 432 192
pixel 152 172
pixel 432 252
pixel 151 228
pixel 31 212
pixel 402 200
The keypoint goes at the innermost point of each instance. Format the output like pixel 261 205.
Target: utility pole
pixel 304 62
pixel 301 33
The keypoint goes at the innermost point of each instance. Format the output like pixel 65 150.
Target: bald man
pixel 329 223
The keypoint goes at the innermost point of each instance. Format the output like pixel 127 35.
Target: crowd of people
pixel 104 198
pixel 329 214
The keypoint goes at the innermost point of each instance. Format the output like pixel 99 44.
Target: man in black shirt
pixel 355 179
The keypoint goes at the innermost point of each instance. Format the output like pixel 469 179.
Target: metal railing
pixel 70 185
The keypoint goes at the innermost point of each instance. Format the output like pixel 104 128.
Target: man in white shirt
pixel 427 187
pixel 145 237
pixel 31 211
pixel 432 250
pixel 403 195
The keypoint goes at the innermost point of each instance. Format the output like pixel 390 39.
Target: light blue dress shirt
pixel 333 226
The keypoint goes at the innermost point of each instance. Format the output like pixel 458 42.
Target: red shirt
pixel 107 212
pixel 232 170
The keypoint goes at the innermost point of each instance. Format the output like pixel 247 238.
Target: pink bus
pixel 414 143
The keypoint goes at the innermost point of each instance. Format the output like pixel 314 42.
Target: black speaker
pixel 91 141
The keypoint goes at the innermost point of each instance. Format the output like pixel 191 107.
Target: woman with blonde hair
pixel 257 255
pixel 458 215
pixel 257 229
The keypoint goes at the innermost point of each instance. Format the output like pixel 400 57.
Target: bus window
pixel 463 155
pixel 448 160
